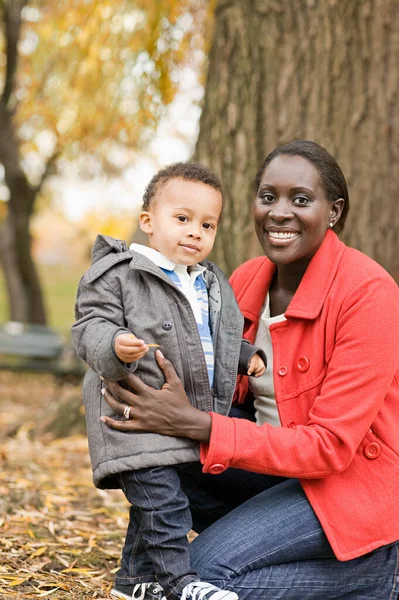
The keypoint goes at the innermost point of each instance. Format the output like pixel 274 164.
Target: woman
pixel 308 492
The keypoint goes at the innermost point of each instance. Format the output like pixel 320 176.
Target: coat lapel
pixel 317 280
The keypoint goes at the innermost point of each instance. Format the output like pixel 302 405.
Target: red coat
pixel 336 376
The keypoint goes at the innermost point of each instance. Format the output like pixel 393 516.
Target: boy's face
pixel 182 220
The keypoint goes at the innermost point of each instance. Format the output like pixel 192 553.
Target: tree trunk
pixel 300 69
pixel 23 286
pixel 22 282
pixel 24 292
pixel 17 306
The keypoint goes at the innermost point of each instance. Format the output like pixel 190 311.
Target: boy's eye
pixel 182 218
pixel 208 226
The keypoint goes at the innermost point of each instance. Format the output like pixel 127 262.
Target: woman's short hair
pixel 330 173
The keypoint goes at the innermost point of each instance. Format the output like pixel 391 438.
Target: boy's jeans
pixel 156 545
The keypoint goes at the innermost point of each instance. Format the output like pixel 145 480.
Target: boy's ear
pixel 145 222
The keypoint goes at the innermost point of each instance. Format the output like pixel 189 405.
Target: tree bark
pixel 304 69
pixel 25 296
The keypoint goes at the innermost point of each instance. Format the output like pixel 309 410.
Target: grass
pixel 59 284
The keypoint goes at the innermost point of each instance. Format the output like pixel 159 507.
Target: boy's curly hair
pixel 188 171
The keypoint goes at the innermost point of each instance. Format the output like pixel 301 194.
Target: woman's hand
pixel 167 411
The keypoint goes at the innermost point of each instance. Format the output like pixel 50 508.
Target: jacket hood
pixel 106 253
pixel 105 245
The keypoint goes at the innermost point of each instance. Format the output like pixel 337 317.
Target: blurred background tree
pixel 81 80
pixel 322 70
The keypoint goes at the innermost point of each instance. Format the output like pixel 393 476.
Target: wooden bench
pixel 28 347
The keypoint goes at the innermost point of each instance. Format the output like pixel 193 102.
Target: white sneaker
pixel 200 590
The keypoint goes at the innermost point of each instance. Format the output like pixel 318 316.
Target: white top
pixel 263 387
pixel 187 277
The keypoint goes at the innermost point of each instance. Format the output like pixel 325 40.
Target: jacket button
pixel 303 363
pixel 282 371
pixel 167 325
pixel 372 450
pixel 291 425
pixel 216 469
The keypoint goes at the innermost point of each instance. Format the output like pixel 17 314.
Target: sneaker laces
pixel 199 590
pixel 141 589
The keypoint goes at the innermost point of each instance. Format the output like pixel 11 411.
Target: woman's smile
pixel 281 237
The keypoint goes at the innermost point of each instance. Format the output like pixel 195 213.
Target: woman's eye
pixel 301 200
pixel 267 198
pixel 182 219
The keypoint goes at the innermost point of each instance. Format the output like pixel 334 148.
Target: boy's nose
pixel 195 232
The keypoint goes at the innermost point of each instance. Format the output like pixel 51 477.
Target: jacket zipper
pixel 187 374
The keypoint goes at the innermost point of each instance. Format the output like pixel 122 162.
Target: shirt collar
pixel 164 263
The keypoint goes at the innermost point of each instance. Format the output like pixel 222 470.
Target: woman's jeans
pixel 273 547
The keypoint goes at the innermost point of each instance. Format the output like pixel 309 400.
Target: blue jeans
pixel 273 547
pixel 156 546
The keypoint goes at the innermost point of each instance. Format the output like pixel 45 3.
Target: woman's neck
pixel 284 285
pixel 288 277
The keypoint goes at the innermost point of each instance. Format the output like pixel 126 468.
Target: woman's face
pixel 291 210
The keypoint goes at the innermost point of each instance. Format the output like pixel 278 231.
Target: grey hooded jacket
pixel 125 292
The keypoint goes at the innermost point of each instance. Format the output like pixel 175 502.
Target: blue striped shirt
pixel 192 284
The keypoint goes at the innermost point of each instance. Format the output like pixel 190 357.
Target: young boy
pixel 130 302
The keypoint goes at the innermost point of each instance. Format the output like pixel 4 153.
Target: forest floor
pixel 60 537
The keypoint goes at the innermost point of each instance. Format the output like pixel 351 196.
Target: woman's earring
pixel 331 225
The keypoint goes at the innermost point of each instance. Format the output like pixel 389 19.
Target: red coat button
pixel 282 371
pixel 303 363
pixel 372 450
pixel 216 469
pixel 291 424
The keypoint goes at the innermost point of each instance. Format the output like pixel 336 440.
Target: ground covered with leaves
pixel 59 536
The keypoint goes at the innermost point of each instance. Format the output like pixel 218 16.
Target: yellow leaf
pixel 38 552
pixel 81 571
pixel 15 580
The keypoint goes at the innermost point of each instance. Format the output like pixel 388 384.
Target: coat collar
pixel 317 280
pixel 312 291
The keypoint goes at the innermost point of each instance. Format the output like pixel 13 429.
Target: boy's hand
pixel 256 366
pixel 128 348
